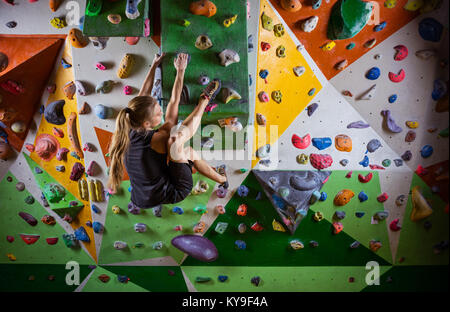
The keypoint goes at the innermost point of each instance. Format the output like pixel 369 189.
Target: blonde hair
pixel 131 117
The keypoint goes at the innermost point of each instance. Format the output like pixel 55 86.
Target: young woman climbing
pixel 158 164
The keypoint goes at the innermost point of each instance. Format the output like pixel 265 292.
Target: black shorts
pixel 181 182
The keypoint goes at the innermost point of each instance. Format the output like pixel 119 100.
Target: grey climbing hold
pixel 312 108
pixel 381 215
pixel 54 113
pixel 369 94
pixel 339 214
pixel 344 162
pixel 398 162
pixel 263 151
pixel 373 145
pixel 140 227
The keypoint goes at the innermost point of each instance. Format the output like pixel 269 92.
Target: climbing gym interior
pixel 330 124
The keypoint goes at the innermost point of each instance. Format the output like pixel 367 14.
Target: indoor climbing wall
pixel 216 41
pixel 344 162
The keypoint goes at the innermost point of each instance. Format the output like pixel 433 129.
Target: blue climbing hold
pixel 102 111
pixel 97 227
pixel 263 73
pixel 240 244
pixel 350 46
pixel 122 278
pixel 393 98
pixel 364 162
pixel 38 170
pixel 95 209
pixel 426 151
pixel 359 214
pixel 322 143
pixel 250 81
pixel 373 73
pixel 379 27
pixel 314 197
pixel 430 29
pixel 258 196
pixel 178 210
pixel 242 191
pixel 82 235
pixel 362 196
pixel 439 89
pixel 316 4
pixel 323 196
pixel 129 189
pixel 222 278
pixel 65 64
pixel 279 202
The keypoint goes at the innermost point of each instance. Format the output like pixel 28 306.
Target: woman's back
pixel 147 169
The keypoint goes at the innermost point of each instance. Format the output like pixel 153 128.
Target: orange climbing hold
pixel 343 197
pixel 203 7
pixel 343 143
pixel 77 39
pixel 242 210
pixel 291 5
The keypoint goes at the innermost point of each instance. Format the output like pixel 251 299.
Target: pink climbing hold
pixel 100 66
pixel 62 154
pixel 402 52
pixel 320 161
pixel 132 40
pixel 383 197
pixel 92 168
pixel 29 147
pixel 349 174
pixel 397 77
pixel 421 171
pixel 301 143
pixel 128 90
pixel 374 167
pixel 46 146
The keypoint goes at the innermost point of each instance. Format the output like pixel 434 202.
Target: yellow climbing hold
pixel 413 5
pixel 412 124
pixel 277 226
pixel 329 46
pixel 390 3
pixel 229 21
pixel 318 216
pixel 11 257
pixel 115 209
pixel 421 209
pixel 125 66
pixel 58 22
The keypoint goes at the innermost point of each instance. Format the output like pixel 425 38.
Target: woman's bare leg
pixel 203 167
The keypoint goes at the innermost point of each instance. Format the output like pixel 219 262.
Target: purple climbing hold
pixel 242 191
pixel 197 247
pixel 389 122
pixel 358 125
pixel 77 171
pixel 28 218
pixel 221 192
pixel 312 108
pixel 133 209
pixel 407 156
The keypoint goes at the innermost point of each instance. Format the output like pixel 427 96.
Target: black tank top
pixel 147 170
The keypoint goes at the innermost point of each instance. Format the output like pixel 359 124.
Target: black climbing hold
pixel 54 113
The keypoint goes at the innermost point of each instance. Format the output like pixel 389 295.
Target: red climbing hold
pixel 402 52
pixel 373 167
pixel 52 240
pixel 29 239
pixel 397 77
pixel 394 225
pixel 265 46
pixel 301 143
pixel 319 161
pixel 349 174
pixel 421 171
pixel 257 227
pixel 365 179
pixel 12 87
pixel 383 197
pixel 338 227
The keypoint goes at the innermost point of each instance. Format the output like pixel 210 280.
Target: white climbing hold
pixel 228 57
pixel 426 54
pixel 310 24
pixel 299 70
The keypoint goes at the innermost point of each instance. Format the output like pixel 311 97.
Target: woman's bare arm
pixel 147 86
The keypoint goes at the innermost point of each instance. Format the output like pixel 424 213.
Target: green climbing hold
pixel 386 163
pixel 350 46
pixel 444 133
pixel 243 170
pixel 201 279
pixel 54 193
pixel 94 7
pixel 29 200
pixel 348 18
